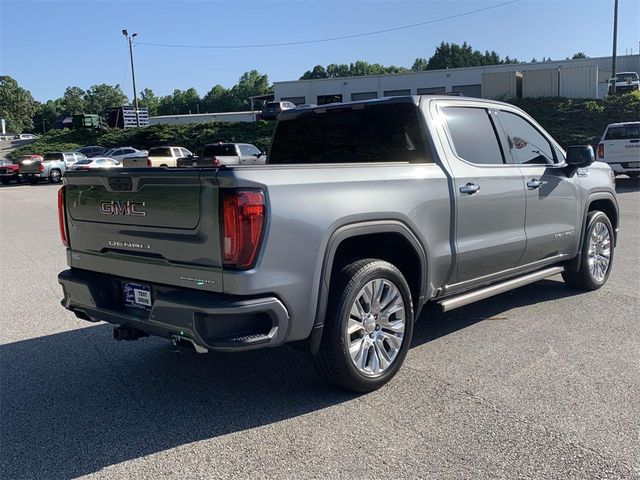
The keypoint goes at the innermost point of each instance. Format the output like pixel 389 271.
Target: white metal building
pixel 580 78
pixel 202 118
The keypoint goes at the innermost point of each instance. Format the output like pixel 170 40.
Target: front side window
pixel 473 135
pixel 527 145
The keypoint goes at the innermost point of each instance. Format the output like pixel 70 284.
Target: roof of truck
pixel 415 99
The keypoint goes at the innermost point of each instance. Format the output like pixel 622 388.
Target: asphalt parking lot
pixel 540 382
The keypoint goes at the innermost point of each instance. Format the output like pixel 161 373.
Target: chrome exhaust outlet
pixel 180 341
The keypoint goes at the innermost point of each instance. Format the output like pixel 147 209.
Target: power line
pixel 333 39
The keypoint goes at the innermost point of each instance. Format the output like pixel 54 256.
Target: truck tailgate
pixel 146 224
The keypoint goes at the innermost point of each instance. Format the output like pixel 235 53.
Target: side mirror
pixel 580 156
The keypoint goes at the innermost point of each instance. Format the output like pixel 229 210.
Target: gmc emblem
pixel 122 208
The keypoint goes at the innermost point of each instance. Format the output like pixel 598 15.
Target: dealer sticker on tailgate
pixel 137 295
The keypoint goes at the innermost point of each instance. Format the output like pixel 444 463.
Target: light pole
pixel 133 75
pixel 615 44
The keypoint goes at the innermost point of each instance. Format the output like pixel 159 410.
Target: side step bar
pixel 486 292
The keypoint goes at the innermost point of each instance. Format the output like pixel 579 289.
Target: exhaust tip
pixel 182 341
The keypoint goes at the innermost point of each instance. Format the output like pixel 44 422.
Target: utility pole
pixel 133 74
pixel 615 44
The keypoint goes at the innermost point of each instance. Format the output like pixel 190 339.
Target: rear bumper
pixel 624 166
pixel 213 321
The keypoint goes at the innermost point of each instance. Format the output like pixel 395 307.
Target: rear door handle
pixel 534 184
pixel 469 188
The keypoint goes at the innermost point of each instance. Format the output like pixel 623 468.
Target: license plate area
pixel 137 295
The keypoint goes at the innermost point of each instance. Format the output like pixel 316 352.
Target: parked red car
pixel 10 170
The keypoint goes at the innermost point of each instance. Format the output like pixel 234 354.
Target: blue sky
pixel 47 46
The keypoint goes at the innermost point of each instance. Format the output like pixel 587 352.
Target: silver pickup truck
pixel 364 212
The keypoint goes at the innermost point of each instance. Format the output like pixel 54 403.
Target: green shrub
pixel 192 136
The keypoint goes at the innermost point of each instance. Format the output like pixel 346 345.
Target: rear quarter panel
pixel 307 204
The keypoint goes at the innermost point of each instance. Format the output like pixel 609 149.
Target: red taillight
pixel 215 162
pixel 148 163
pixel 41 167
pixel 601 150
pixel 62 224
pixel 243 215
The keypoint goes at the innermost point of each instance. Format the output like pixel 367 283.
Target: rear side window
pixel 623 132
pixel 160 152
pixel 52 157
pixel 527 145
pixel 473 135
pixel 375 133
pixel 221 150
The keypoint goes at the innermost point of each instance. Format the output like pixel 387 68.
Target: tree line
pixel 22 112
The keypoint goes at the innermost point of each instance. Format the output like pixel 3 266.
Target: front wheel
pixel 596 258
pixel 368 327
pixel 5 181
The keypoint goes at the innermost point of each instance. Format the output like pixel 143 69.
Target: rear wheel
pixel 5 181
pixel 55 176
pixel 34 180
pixel 596 258
pixel 368 327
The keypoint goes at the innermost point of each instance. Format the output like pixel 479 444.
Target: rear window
pixel 160 152
pixel 272 105
pixel 84 162
pixel 51 157
pixel 623 132
pixel 375 133
pixel 219 150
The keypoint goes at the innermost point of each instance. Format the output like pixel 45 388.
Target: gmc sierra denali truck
pixel 364 212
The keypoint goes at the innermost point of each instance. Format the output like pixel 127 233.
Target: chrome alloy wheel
pixel 375 329
pixel 599 251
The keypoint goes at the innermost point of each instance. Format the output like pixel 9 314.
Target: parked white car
pixel 96 162
pixel 121 153
pixel 620 148
pixel 625 82
pixel 167 156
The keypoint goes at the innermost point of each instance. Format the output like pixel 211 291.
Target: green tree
pixel 218 99
pixel 317 72
pixel 579 55
pixel 17 106
pixel 150 101
pixel 250 84
pixel 100 97
pixel 420 64
pixel 190 101
pixel 73 101
pixel 452 55
pixel 46 114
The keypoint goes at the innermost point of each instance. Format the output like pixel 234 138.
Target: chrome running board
pixel 490 291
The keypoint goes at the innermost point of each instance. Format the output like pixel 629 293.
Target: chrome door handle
pixel 469 188
pixel 534 184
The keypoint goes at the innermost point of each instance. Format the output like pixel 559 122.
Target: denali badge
pixel 122 208
pixel 115 243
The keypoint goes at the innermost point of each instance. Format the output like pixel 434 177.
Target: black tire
pixel 34 180
pixel 55 176
pixel 583 279
pixel 333 361
pixel 5 181
pixel 633 174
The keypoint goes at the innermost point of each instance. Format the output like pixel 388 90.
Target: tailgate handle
pixel 120 184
